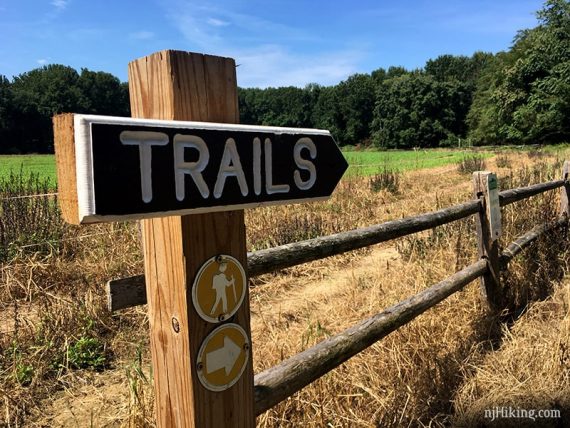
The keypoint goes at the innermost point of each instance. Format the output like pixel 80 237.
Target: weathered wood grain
pixel 511 196
pixel 279 382
pixel 528 238
pixel 126 292
pixel 288 255
pixel 487 246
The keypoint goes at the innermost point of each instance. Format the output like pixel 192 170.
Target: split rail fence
pixel 281 381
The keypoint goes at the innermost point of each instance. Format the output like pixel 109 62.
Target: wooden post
pixel 188 86
pixel 565 190
pixel 488 224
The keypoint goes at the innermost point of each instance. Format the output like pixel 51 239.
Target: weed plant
pixel 28 221
pixel 54 324
pixel 351 206
pixel 536 154
pixel 503 160
pixel 385 179
pixel 529 370
pixel 471 163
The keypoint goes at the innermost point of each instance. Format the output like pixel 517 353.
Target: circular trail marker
pixel 219 288
pixel 223 356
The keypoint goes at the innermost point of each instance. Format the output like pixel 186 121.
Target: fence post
pixel 185 347
pixel 488 224
pixel 565 190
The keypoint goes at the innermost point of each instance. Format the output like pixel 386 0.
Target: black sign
pixel 133 168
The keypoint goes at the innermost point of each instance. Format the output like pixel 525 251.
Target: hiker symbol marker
pixel 219 288
pixel 222 357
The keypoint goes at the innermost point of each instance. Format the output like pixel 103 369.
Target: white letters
pixel 305 143
pixel 271 188
pixel 230 166
pixel 145 140
pixel 195 169
pixel 257 166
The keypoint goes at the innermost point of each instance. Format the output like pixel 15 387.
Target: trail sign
pixel 211 293
pixel 113 168
pixel 222 357
pixel 139 168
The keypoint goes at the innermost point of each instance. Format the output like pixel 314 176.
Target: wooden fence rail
pixel 511 196
pixel 279 382
pixel 528 238
pixel 128 292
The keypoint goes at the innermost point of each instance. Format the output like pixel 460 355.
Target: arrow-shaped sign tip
pixel 224 357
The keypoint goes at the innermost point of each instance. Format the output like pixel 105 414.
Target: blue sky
pixel 276 43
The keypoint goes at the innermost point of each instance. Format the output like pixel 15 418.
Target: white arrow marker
pixel 224 357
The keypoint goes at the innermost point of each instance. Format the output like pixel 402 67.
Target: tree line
pixel 28 103
pixel 518 96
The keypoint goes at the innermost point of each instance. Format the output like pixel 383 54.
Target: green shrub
pixel 87 352
pixel 24 374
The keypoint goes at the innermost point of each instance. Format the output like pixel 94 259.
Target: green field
pixel 363 162
pixel 44 165
pixel 370 162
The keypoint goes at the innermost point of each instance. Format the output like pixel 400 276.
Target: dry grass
pixel 530 369
pixel 409 377
pixel 53 315
pixel 27 222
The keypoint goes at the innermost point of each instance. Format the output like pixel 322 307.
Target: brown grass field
pixel 66 361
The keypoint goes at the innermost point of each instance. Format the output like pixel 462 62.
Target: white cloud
pixel 272 65
pixel 142 35
pixel 43 61
pixel 207 26
pixel 193 32
pixel 60 4
pixel 272 58
pixel 217 22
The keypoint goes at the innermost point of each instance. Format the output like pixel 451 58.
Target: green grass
pixel 366 162
pixel 361 162
pixel 44 165
pixel 369 162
